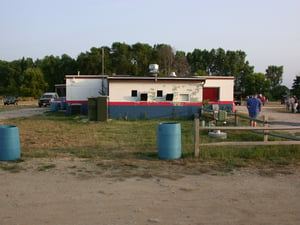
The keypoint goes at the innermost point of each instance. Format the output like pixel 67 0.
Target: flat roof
pixel 130 78
pixel 86 76
pixel 148 78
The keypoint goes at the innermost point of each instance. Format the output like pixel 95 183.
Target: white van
pixel 46 98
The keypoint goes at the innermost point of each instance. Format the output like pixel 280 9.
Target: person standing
pixel 287 102
pixel 254 108
pixel 294 103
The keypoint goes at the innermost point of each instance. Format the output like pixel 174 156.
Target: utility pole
pixel 102 61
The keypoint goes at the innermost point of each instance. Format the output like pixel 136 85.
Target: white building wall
pixel 226 87
pixel 80 89
pixel 182 91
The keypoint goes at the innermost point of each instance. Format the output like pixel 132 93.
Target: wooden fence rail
pixel 265 141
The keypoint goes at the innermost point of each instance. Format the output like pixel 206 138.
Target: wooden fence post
pixel 266 136
pixel 196 137
pixel 235 118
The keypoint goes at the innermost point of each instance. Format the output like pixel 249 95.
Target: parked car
pixel 10 100
pixel 46 98
pixel 237 100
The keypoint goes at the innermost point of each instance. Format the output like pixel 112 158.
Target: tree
pixel 6 73
pixel 218 64
pixel 167 56
pixel 279 91
pixel 91 62
pixel 82 63
pixel 50 67
pixel 55 68
pixel 121 58
pixel 296 86
pixel 236 65
pixel 274 75
pixel 11 75
pixel 134 59
pixel 256 83
pixel 34 83
pixel 181 64
pixel 19 66
pixel 141 58
pixel 200 62
pixel 67 66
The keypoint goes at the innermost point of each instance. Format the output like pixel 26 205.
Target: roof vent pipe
pixel 172 74
pixel 153 69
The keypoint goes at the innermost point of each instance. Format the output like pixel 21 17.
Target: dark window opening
pixel 134 93
pixel 159 93
pixel 169 97
pixel 144 97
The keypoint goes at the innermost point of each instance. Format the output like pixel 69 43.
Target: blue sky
pixel 267 30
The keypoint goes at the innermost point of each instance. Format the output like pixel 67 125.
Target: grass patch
pixel 132 145
pixel 11 167
pixel 247 153
pixel 46 167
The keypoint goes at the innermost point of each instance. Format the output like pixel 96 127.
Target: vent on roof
pixel 153 69
pixel 172 74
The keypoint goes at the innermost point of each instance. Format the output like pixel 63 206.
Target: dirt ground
pixel 75 192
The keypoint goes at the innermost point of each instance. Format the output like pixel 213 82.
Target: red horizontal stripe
pixel 167 103
pixel 154 103
pixel 141 103
pixel 76 102
pixel 222 102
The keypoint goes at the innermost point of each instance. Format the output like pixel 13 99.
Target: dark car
pixel 10 100
pixel 237 100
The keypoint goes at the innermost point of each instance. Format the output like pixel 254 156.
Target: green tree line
pixel 25 77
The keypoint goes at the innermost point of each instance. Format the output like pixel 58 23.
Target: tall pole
pixel 102 61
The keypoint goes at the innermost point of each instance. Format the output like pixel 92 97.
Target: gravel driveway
pixel 275 117
pixel 22 112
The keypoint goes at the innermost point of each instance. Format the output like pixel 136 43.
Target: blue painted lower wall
pixel 152 112
pixel 75 109
pixel 146 111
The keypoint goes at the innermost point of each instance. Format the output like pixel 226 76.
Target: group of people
pixel 255 103
pixel 292 104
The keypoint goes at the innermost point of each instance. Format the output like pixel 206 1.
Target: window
pixel 184 97
pixel 169 97
pixel 134 93
pixel 144 97
pixel 159 93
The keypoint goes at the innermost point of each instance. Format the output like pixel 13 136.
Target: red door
pixel 211 94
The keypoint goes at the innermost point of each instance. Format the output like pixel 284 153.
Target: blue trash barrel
pixel 63 105
pixel 169 140
pixel 53 106
pixel 9 143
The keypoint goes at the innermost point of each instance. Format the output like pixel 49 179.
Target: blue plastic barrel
pixel 169 140
pixel 63 105
pixel 9 143
pixel 53 106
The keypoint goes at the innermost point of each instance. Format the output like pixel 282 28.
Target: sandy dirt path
pixel 64 195
pixel 75 192
pixel 277 118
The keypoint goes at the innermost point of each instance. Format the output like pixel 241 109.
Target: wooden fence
pixel 264 128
